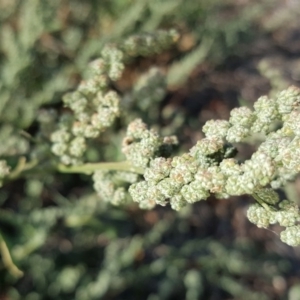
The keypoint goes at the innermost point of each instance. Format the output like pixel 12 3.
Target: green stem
pixel 21 167
pixel 92 167
pixel 37 240
pixel 7 260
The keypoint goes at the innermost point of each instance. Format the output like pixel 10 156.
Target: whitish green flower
pixel 289 156
pixel 230 167
pixel 291 236
pixel 159 168
pixel 168 187
pixel 288 100
pixel 60 136
pixel 261 217
pixel 266 110
pixel 237 133
pixel 292 123
pixel 177 202
pixel 77 147
pixel 242 116
pixel 59 148
pixel 216 128
pixel 193 192
pixel 288 215
pixel 119 196
pixel 207 146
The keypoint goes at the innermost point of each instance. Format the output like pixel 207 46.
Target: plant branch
pixel 7 260
pixel 92 167
pixel 21 167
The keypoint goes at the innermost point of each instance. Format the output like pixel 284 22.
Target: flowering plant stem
pixel 89 168
pixel 32 166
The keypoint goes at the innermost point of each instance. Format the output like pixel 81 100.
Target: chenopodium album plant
pixel 151 175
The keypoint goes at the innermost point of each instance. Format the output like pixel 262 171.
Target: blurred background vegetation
pixel 71 245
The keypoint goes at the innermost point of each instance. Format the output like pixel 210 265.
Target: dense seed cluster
pixel 141 144
pixel 111 186
pixel 199 173
pixel 94 105
pixel 291 235
pixel 210 168
pixel 287 216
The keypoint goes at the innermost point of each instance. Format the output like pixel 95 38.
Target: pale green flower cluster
pixel 141 144
pixel 211 169
pixel 287 216
pixel 291 235
pixel 111 186
pixel 94 105
pixel 198 174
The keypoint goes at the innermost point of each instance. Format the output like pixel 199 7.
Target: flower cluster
pixel 195 175
pixel 287 216
pixel 111 186
pixel 210 167
pixel 142 145
pixel 94 104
